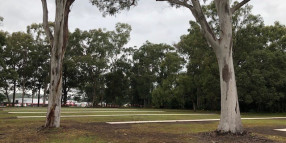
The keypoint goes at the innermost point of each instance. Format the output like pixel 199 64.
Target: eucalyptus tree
pixel 117 81
pixel 102 52
pixel 261 66
pixel 71 72
pixel 16 59
pixel 118 38
pixel 164 94
pixel 93 63
pixel 146 69
pixel 40 59
pixel 58 42
pixel 5 77
pixel 222 45
pixel 11 59
pixel 200 68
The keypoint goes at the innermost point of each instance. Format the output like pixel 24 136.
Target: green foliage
pixel 112 7
pixel 2 97
pixel 261 71
pixel 1 20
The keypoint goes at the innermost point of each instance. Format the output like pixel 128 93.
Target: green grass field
pixel 94 129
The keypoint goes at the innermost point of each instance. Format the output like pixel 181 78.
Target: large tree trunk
pixel 230 120
pixel 58 46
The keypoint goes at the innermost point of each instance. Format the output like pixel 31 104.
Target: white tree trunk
pixel 58 43
pixel 230 120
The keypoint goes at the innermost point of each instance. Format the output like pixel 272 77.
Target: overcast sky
pixel 154 21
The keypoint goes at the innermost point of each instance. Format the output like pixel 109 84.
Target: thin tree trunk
pixel 58 46
pixel 94 96
pixel 65 95
pixel 7 95
pixel 45 93
pixel 39 96
pixel 33 93
pixel 14 93
pixel 23 94
pixel 198 93
pixel 194 106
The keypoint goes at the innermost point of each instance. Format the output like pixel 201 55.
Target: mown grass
pixel 92 129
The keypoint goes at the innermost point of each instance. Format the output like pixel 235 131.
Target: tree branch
pixel 66 18
pixel 201 19
pixel 238 6
pixel 46 23
pixel 133 2
pixel 178 2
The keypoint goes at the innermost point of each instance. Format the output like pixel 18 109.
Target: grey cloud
pixel 150 20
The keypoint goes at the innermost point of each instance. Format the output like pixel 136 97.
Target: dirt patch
pixel 127 133
pixel 2 136
pixel 9 118
pixel 269 130
pixel 247 137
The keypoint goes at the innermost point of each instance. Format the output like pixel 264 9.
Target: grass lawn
pixel 94 129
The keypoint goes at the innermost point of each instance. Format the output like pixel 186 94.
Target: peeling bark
pixel 230 120
pixel 58 46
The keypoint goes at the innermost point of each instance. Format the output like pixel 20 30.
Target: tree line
pixel 102 69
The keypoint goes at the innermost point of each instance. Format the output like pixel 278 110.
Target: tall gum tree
pixel 58 41
pixel 222 44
